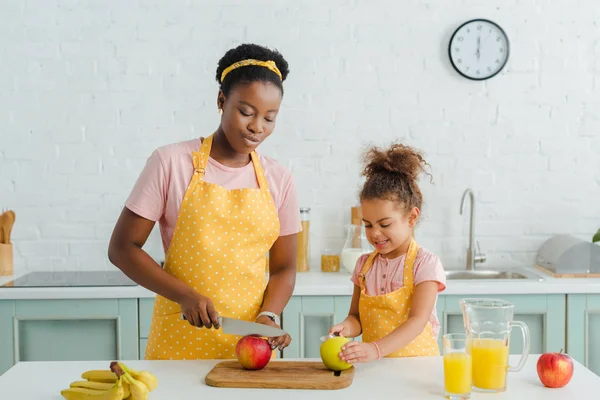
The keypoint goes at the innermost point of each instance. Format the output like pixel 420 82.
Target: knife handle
pixel 220 320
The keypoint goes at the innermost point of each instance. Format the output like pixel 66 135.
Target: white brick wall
pixel 89 88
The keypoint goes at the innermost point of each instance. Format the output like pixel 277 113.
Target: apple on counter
pixel 555 369
pixel 253 352
pixel 330 353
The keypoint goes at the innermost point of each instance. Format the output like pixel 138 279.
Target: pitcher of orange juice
pixel 488 323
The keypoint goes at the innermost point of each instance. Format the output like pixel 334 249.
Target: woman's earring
pixel 220 111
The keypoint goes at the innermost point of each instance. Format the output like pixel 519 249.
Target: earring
pixel 220 111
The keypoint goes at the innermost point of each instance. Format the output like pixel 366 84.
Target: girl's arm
pixel 423 301
pixel 350 327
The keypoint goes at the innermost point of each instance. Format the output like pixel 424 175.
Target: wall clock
pixel 478 49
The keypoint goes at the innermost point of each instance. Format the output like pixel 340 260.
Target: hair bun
pixel 397 159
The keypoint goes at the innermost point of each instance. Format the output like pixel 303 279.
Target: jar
pixel 303 250
pixel 355 246
pixel 330 261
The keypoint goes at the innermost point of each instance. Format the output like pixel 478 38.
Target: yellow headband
pixel 267 64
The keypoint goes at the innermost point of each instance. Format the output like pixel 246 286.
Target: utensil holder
pixel 6 259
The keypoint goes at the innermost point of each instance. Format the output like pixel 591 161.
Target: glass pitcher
pixel 488 323
pixel 355 246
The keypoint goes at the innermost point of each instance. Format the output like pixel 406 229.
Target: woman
pixel 221 207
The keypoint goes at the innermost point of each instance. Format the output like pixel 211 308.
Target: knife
pixel 234 326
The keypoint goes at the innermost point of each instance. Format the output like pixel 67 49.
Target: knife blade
pixel 234 326
pixel 239 327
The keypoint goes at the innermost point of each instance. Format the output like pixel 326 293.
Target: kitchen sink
pixel 492 275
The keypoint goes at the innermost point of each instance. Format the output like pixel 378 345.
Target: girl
pixel 396 286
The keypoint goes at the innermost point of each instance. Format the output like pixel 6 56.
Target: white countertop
pixel 400 378
pixel 325 284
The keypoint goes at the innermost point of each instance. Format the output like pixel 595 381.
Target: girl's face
pixel 388 226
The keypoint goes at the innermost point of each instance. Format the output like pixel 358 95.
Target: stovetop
pixel 71 279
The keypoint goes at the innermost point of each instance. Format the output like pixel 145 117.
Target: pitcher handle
pixel 526 345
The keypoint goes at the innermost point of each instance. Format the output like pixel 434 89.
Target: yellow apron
pixel 219 246
pixel 380 315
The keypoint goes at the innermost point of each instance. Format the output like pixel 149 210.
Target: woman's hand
pixel 354 352
pixel 280 342
pixel 200 311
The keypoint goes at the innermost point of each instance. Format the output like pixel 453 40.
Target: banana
pixel 92 385
pixel 147 378
pixel 139 391
pixel 100 375
pixel 100 386
pixel 77 393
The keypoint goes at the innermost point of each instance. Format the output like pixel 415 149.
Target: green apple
pixel 330 350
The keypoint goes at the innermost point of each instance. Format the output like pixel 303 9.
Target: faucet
pixel 472 255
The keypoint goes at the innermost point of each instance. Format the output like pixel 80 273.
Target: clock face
pixel 478 49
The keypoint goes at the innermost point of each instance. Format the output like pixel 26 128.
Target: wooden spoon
pixel 10 221
pixel 3 224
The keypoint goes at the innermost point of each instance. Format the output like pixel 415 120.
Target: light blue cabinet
pixel 64 330
pixel 544 315
pixel 307 318
pixel 583 329
pixel 106 329
pixel 146 307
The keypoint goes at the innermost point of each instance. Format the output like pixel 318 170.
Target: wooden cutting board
pixel 279 375
pixel 554 274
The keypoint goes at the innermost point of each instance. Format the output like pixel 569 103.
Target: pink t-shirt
pixel 387 275
pixel 160 188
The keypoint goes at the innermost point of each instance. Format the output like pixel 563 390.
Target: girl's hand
pixel 281 342
pixel 354 352
pixel 341 329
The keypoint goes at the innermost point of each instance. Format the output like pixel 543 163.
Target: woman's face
pixel 249 113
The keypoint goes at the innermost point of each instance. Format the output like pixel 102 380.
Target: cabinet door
pixel 7 311
pixel 146 307
pixel 543 314
pixel 143 343
pixel 308 318
pixel 583 326
pixel 77 329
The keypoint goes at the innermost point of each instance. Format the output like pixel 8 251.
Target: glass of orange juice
pixel 458 375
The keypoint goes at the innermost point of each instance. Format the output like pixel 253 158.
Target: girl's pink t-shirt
pixel 160 188
pixel 387 275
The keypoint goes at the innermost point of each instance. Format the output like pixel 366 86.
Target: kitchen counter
pixel 406 378
pixel 324 284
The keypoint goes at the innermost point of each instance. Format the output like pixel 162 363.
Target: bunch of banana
pixel 117 383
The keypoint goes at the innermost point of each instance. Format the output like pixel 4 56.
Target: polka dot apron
pixel 219 246
pixel 380 315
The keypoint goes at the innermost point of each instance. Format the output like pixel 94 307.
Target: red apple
pixel 253 352
pixel 555 369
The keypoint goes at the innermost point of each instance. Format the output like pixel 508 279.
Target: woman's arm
pixel 126 253
pixel 282 274
pixel 282 279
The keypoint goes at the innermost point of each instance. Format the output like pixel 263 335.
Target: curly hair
pixel 251 73
pixel 392 174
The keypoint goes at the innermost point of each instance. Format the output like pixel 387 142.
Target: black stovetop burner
pixel 71 279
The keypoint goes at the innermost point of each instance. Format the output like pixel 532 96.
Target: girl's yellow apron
pixel 219 246
pixel 382 314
